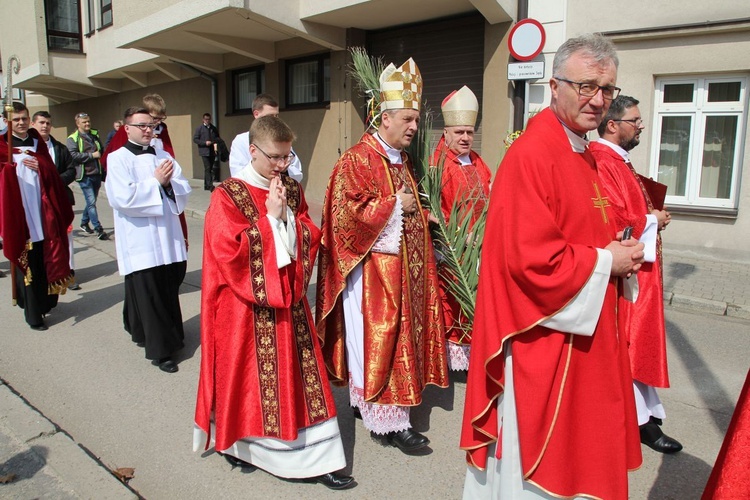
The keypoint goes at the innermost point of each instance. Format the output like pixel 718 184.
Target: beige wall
pixel 33 52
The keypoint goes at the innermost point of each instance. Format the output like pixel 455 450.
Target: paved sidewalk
pixel 47 463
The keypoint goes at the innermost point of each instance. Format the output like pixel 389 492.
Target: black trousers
pixel 151 312
pixel 33 298
pixel 208 174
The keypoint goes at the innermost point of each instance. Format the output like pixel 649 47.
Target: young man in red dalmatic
pixel 644 323
pixel 465 181
pixel 263 396
pixel 549 407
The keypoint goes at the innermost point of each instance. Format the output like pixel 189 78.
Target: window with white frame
pixel 699 125
pixel 308 81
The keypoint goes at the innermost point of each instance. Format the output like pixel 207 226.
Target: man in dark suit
pixel 206 137
pixel 66 167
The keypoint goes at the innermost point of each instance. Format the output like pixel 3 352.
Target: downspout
pixel 214 89
pixel 519 86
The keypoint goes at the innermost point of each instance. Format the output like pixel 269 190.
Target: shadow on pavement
pixel 709 386
pixel 680 476
pixel 25 464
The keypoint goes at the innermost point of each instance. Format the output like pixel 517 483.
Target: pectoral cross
pixel 601 203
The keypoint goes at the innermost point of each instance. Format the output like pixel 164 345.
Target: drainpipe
pixel 519 86
pixel 214 89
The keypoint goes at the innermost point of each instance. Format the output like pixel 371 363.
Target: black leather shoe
pixel 407 440
pixel 74 286
pixel 334 481
pixel 167 365
pixel 653 437
pixel 40 327
pixel 236 462
pixel 140 344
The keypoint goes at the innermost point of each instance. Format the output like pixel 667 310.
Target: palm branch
pixel 366 70
pixel 457 242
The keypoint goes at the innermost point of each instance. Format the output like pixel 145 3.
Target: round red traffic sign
pixel 526 39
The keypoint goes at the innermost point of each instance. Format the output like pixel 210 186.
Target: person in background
pixel 206 136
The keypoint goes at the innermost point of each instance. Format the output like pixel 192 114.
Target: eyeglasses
pixel 591 89
pixel 143 126
pixel 638 122
pixel 159 119
pixel 284 160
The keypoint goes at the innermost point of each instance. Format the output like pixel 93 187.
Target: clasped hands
pixel 276 203
pixel 408 200
pixel 627 256
pixel 164 171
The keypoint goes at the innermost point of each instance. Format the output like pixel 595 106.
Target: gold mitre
pixel 401 88
pixel 460 108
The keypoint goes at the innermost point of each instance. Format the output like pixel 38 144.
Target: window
pixel 90 17
pixel 63 25
pixel 308 81
pixel 106 15
pixel 247 83
pixel 698 126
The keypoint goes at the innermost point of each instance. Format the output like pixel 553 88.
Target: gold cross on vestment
pixel 601 203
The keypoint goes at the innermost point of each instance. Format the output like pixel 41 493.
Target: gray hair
pixel 594 45
pixel 617 110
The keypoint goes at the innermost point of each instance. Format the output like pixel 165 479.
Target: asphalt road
pixel 86 376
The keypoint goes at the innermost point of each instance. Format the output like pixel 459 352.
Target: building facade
pixel 688 63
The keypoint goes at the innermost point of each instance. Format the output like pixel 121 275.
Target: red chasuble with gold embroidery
pixel 262 372
pixel 577 427
pixel 404 337
pixel 644 320
pixel 470 185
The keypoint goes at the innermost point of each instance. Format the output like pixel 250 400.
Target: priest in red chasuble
pixel 644 324
pixel 549 407
pixel 378 306
pixel 264 399
pixel 466 181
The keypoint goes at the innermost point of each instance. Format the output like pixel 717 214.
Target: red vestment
pixel 644 320
pixel 577 427
pixel 57 216
pixel 262 372
pixel 404 339
pixel 730 478
pixel 470 186
pixel 121 137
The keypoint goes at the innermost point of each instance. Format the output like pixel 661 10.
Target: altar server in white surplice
pixel 147 191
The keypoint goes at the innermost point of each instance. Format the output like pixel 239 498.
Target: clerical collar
pixel 578 143
pixel 139 149
pixel 394 155
pixel 18 142
pixel 625 155
pixel 464 159
pixel 252 177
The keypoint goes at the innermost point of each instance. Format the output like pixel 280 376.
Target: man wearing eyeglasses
pixel 147 192
pixel 619 133
pixel 86 149
pixel 263 394
pixel 549 407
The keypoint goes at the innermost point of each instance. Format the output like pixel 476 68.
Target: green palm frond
pixel 458 244
pixel 366 70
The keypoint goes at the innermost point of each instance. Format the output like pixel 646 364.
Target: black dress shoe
pixel 236 462
pixel 653 437
pixel 140 344
pixel 167 365
pixel 74 286
pixel 40 327
pixel 407 440
pixel 334 481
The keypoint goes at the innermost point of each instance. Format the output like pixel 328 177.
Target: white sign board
pixel 531 70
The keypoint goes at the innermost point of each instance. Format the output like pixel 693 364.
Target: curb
pixel 52 448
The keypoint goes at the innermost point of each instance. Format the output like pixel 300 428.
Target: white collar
pixel 625 155
pixel 252 177
pixel 394 155
pixel 578 143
